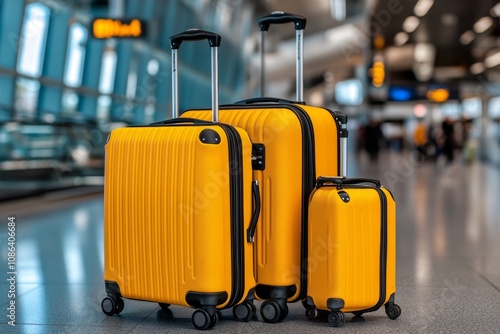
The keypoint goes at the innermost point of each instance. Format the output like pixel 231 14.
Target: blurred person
pixel 448 139
pixel 373 136
pixel 469 146
pixel 435 142
pixel 360 138
pixel 420 140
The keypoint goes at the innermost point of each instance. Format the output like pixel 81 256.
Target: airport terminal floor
pixel 448 255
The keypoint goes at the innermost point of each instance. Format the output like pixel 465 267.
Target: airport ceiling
pixel 444 26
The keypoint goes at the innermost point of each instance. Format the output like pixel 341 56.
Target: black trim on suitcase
pixel 237 218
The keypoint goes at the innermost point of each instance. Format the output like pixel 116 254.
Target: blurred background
pixel 418 79
pixel 395 63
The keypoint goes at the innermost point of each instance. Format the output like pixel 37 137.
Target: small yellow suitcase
pixel 180 213
pixel 292 141
pixel 352 249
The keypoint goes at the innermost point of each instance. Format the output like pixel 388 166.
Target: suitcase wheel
pixel 203 320
pixel 392 310
pixel 244 312
pixel 165 307
pixel 271 311
pixel 336 318
pixel 284 313
pixel 111 306
pixel 312 313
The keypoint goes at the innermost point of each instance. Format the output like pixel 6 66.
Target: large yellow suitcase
pixel 293 143
pixel 180 214
pixel 352 249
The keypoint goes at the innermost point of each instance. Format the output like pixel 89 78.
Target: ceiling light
pixel 493 60
pixel 449 19
pixel 338 9
pixel 401 38
pixel 477 68
pixel 467 37
pixel 495 11
pixel 483 24
pixel 422 7
pixel 424 52
pixel 410 24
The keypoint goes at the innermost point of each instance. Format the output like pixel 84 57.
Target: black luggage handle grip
pixel 181 121
pixel 340 181
pixel 195 35
pixel 256 100
pixel 256 212
pixel 299 22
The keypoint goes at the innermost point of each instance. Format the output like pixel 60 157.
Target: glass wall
pixel 131 77
pixel 63 90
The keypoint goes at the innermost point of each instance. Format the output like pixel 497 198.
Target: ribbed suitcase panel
pixel 157 221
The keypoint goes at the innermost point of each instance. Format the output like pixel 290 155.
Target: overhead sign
pixel 438 95
pixel 118 28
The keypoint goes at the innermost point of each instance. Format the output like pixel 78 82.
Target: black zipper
pixel 308 182
pixel 237 219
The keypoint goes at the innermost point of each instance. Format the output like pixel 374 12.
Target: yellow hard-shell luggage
pixel 181 209
pixel 352 249
pixel 292 143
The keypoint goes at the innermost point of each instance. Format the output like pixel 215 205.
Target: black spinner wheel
pixel 243 312
pixel 201 319
pixel 164 307
pixel 336 318
pixel 270 311
pixel 284 313
pixel 108 306
pixel 393 311
pixel 120 305
pixel 213 320
pixel 312 313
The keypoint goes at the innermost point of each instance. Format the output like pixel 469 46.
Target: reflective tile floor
pixel 448 262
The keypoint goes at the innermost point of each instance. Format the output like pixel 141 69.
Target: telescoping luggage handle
pixel 214 42
pixel 299 23
pixel 340 181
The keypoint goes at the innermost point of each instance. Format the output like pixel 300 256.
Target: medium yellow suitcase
pixel 181 209
pixel 352 249
pixel 291 142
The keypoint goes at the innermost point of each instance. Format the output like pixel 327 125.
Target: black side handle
pixel 195 35
pixel 256 100
pixel 299 22
pixel 182 120
pixel 340 181
pixel 256 211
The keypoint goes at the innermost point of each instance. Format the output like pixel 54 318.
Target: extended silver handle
pixel 299 25
pixel 214 41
